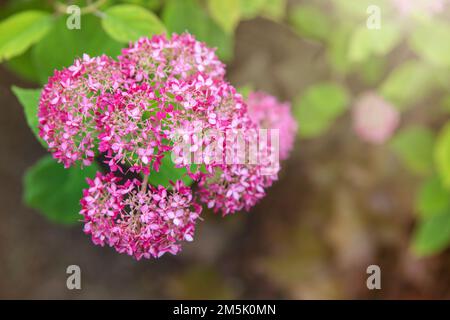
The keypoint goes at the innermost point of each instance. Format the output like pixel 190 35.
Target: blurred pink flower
pixel 269 113
pixel 408 7
pixel 374 119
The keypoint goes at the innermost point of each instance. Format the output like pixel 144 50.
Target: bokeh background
pixel 342 202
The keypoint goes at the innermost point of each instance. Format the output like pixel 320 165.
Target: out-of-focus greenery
pixel 421 38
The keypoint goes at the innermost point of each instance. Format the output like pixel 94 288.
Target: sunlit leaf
pixel 20 31
pixel 225 13
pixel 128 22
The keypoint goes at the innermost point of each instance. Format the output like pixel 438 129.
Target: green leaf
pixel 311 22
pixel 55 191
pixel 442 155
pixel 29 99
pixel 338 44
pixel 431 41
pixel 365 43
pixel 432 235
pixel 61 46
pixel 358 9
pixel 225 13
pixel 129 22
pixel 433 198
pixel 274 9
pixel 372 70
pixel 251 8
pixel 187 15
pixel 318 107
pixel 168 172
pixel 408 83
pixel 414 146
pixel 20 31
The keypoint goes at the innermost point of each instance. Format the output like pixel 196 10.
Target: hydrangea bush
pixel 128 113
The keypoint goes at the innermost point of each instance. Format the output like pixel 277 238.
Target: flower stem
pixel 144 184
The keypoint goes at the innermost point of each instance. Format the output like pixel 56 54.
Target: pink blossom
pixel 68 104
pixel 374 119
pixel 141 221
pixel 269 113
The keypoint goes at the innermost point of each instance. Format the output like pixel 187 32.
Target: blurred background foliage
pixel 401 183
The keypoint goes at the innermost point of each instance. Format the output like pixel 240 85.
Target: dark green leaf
pixel 168 172
pixel 55 191
pixel 29 99
pixel 61 46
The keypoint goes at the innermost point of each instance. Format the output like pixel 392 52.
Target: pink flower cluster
pixel 134 220
pixel 269 113
pixel 130 112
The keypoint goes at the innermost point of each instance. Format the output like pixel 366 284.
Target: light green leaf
pixel 442 155
pixel 408 83
pixel 338 44
pixel 187 15
pixel 225 13
pixel 318 107
pixel 20 31
pixel 61 46
pixel 414 146
pixel 432 235
pixel 55 191
pixel 365 43
pixel 251 8
pixel 431 41
pixel 433 198
pixel 358 9
pixel 311 22
pixel 129 22
pixel 274 9
pixel 29 99
pixel 167 172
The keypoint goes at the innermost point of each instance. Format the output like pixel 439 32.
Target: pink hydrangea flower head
pixel 237 182
pixel 133 128
pixel 269 113
pixel 233 188
pixel 68 104
pixel 159 59
pixel 374 119
pixel 141 221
